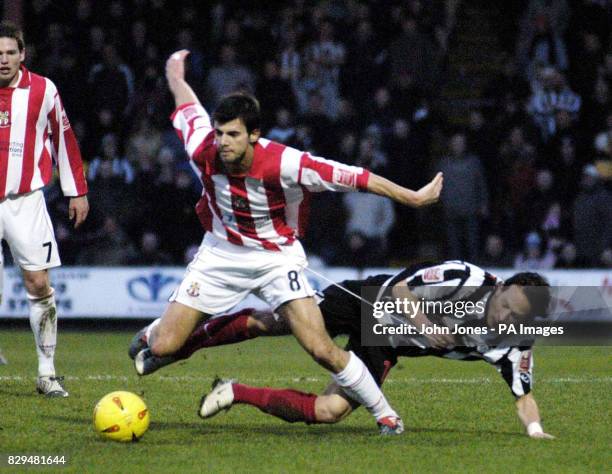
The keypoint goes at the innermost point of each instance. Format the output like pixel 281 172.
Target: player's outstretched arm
pixel 175 75
pixel 527 410
pixel 428 194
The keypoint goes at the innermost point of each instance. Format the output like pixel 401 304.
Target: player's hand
pixel 78 208
pixel 175 66
pixel 430 193
pixel 541 435
pixel 440 341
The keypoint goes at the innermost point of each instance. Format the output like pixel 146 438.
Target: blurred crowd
pixel 527 169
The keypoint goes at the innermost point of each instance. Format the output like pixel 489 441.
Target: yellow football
pixel 121 416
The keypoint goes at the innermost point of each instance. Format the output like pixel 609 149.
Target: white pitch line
pixel 409 381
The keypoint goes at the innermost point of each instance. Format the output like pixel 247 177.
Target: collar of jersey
pixel 24 82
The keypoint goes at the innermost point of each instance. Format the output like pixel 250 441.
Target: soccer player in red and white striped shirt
pixel 254 200
pixel 34 132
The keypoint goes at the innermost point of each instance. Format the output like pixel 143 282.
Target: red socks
pixel 289 405
pixel 217 332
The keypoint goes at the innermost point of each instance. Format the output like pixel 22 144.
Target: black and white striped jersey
pixel 456 281
pixel 452 282
pixel 449 281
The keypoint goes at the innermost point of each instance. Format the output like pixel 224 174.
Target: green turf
pixel 459 415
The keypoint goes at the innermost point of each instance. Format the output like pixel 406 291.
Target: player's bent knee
pixel 331 408
pixel 164 345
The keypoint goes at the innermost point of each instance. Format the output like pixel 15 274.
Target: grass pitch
pixel 459 415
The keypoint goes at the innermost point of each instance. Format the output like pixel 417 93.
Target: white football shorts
pixel 26 226
pixel 222 274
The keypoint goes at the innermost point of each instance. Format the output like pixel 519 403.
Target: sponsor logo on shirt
pixel 344 177
pixel 189 112
pixel 525 361
pixel 433 275
pixel 5 119
pixel 65 121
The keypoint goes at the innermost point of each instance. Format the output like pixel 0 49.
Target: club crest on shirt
pixel 433 275
pixel 194 289
pixel 344 177
pixel 240 203
pixel 5 119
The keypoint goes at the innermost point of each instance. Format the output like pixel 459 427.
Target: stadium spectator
pixel 507 81
pixel 381 112
pixel 113 247
pixel 290 57
pixel 317 117
pixel 228 76
pixel 329 54
pixel 136 55
pixel 567 257
pixel 111 83
pixel 119 165
pixel 583 73
pixel 495 255
pixel 177 214
pixel 464 177
pixel 283 130
pixel 554 96
pixel 481 141
pixel 406 96
pixel 592 218
pixel 363 68
pixel 109 187
pixel 541 200
pixel 536 254
pixel 312 83
pixel 563 161
pixel 348 120
pixel 370 219
pixel 516 179
pixel 274 92
pixel 415 53
pixel 596 108
pixel 149 253
pixel 143 143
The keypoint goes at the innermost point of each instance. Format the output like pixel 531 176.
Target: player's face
pixel 509 304
pixel 10 60
pixel 233 140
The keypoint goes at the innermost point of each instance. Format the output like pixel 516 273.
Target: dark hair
pixel 238 105
pixel 536 289
pixel 8 29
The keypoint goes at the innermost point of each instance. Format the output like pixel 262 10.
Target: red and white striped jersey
pixel 267 207
pixel 34 131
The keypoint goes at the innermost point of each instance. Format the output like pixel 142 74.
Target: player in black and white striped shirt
pixel 510 301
